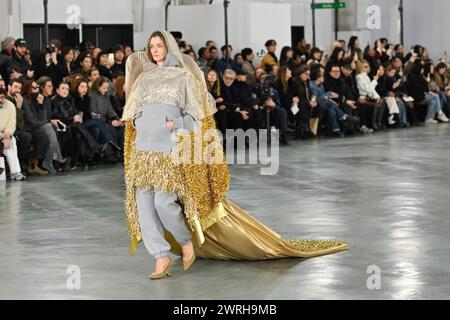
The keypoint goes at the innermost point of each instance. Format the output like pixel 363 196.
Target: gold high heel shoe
pixel 163 274
pixel 189 262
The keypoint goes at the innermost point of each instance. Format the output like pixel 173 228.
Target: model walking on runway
pixel 168 201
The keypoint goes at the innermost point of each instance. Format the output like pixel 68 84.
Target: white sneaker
pixel 366 130
pixel 441 117
pixel 430 121
pixel 18 177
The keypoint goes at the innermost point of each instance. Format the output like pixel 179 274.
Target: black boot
pixel 284 140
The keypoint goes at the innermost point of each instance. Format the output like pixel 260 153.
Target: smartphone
pixel 111 58
pixel 61 127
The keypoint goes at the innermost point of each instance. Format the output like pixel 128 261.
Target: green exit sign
pixel 329 5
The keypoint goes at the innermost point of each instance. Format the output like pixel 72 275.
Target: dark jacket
pixel 350 82
pixel 63 109
pixel 285 96
pixel 340 87
pixel 83 104
pixel 37 115
pixel 300 89
pixel 104 72
pixel 417 87
pixel 19 64
pixel 235 97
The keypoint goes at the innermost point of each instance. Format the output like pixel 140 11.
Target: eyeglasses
pixel 229 78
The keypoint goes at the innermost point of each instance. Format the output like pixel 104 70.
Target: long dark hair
pixel 98 83
pixel 335 55
pixel 283 54
pixel 282 78
pixel 351 42
pixel 215 89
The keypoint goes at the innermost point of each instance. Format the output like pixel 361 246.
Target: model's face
pixel 158 49
pixel 82 89
pixel 239 60
pixel 272 48
pixel 63 90
pixel 290 54
pixel 212 76
pixel 442 71
pixel 317 56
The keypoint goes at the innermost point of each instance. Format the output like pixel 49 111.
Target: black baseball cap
pixel 20 43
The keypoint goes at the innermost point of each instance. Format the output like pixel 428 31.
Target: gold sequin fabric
pixel 199 183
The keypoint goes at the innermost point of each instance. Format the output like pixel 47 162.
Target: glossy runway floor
pixel 387 195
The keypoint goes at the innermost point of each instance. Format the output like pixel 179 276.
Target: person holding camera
pixel 7 139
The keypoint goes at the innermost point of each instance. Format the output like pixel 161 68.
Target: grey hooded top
pixel 163 91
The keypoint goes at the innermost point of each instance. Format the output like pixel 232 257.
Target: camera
pixel 49 49
pixel 266 93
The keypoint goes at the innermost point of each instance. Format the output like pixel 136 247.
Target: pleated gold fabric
pixel 239 236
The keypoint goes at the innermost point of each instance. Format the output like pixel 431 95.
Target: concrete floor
pixel 387 195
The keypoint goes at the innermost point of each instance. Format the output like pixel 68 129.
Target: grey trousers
pixel 159 211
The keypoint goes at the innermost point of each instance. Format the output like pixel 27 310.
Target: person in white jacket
pixel 368 93
pixel 7 129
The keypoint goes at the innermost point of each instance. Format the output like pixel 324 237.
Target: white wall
pixel 249 24
pixel 93 12
pixel 425 21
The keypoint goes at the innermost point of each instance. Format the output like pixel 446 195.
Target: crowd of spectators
pixel 60 109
